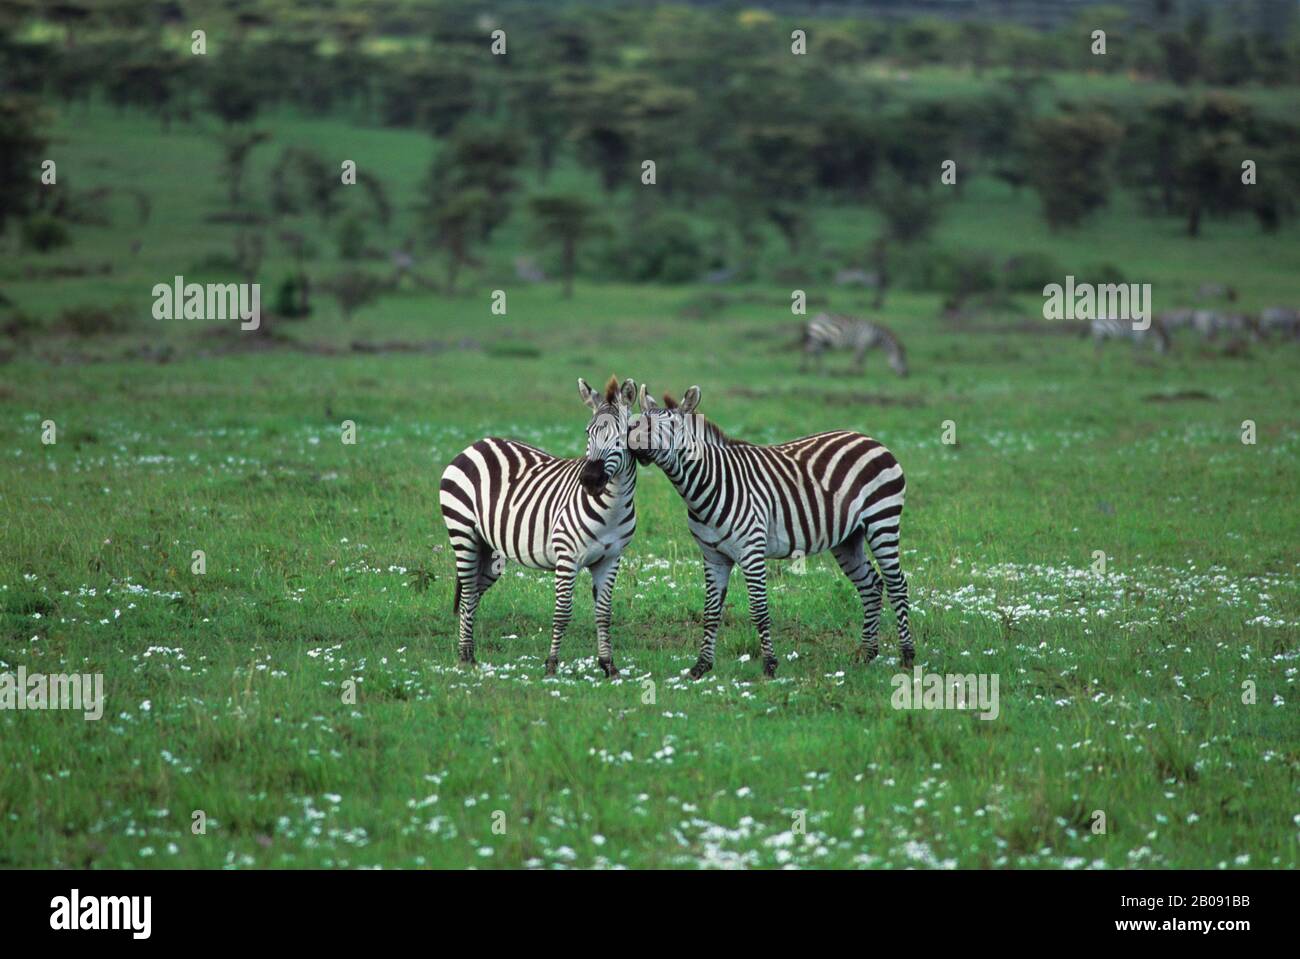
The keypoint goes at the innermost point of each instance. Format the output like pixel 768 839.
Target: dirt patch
pixel 1178 397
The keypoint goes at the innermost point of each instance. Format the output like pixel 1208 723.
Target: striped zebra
pixel 1102 330
pixel 832 331
pixel 1210 323
pixel 1279 319
pixel 744 503
pixel 502 499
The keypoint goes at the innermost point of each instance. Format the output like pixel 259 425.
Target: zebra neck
pixel 623 481
pixel 888 341
pixel 688 471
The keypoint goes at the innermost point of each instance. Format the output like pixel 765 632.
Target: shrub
pixel 664 249
pixel 44 233
pixel 1030 272
pixel 351 238
pixel 93 320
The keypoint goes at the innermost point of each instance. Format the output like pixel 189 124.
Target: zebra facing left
pixel 506 500
pixel 838 491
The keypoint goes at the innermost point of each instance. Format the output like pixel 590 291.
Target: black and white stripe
pixel 831 331
pixel 840 491
pixel 1104 329
pixel 506 500
pixel 1281 320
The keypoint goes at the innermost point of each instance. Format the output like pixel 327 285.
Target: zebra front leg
pixel 755 571
pixel 565 573
pixel 870 589
pixel 602 592
pixel 717 576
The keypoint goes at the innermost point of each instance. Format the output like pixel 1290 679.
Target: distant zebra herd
pixel 832 331
pixel 1276 321
pixel 839 491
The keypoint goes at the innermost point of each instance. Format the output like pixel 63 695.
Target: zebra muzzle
pixel 593 476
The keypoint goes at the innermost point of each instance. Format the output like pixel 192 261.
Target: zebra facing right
pixel 502 499
pixel 839 490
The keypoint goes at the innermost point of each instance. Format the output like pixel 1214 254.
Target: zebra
pixel 1279 319
pixel 1176 319
pixel 502 499
pixel 744 503
pixel 1104 329
pixel 1210 323
pixel 832 331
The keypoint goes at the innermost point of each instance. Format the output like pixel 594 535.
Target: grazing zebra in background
pixel 1210 323
pixel 1175 319
pixel 831 331
pixel 1280 319
pixel 1108 329
pixel 744 503
pixel 502 499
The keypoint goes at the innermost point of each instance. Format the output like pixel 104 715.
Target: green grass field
pixel 1120 692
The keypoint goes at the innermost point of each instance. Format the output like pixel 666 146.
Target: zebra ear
pixel 690 400
pixel 627 394
pixel 647 401
pixel 587 393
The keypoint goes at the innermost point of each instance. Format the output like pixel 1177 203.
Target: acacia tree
pixel 1069 157
pixel 565 220
pixel 455 224
pixel 236 146
pixel 21 146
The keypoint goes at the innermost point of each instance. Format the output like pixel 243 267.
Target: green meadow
pixel 301 701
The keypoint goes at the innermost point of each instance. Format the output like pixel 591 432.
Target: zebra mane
pixel 611 389
pixel 709 431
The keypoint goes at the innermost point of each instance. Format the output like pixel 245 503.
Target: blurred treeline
pixel 747 135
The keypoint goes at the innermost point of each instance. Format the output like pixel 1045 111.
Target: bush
pixel 93 320
pixel 352 238
pixel 964 272
pixel 17 325
pixel 1030 272
pixel 43 233
pixel 291 299
pixel 1106 273
pixel 664 249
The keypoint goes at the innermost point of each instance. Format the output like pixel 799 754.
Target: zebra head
pixel 898 360
pixel 666 434
pixel 606 432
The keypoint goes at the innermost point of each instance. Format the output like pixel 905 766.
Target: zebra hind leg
pixel 870 587
pixel 468 592
pixel 755 571
pixel 882 537
pixel 717 575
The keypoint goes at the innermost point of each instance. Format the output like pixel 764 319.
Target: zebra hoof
pixel 906 656
pixel 769 667
pixel 551 666
pixel 867 653
pixel 611 671
pixel 468 659
pixel 699 669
